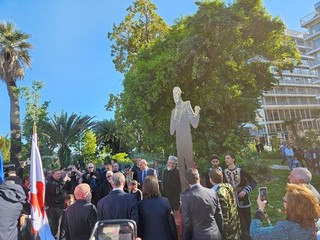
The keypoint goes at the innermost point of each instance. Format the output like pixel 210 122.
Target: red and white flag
pixel 39 220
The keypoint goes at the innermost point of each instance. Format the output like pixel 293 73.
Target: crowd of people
pixel 295 156
pixel 217 208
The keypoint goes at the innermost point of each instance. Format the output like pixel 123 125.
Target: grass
pixel 276 190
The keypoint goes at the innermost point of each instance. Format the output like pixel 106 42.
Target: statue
pixel 181 118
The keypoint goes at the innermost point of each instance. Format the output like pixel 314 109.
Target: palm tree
pixel 14 57
pixel 108 135
pixel 64 131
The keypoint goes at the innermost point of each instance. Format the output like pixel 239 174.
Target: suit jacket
pixel 150 172
pixel 80 218
pixel 201 214
pixel 156 220
pixel 118 205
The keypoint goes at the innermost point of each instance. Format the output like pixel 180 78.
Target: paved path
pixel 282 167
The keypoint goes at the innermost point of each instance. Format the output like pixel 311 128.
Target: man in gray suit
pixel 201 211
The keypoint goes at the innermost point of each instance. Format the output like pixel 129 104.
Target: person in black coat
pixel 105 188
pixel 56 194
pixel 171 183
pixel 81 216
pixel 156 220
pixel 135 169
pixel 201 211
pixel 118 204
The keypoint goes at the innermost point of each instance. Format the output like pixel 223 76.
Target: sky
pixel 71 53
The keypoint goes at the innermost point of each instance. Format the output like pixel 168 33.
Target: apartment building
pixel 291 106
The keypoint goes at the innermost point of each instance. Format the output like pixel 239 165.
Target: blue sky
pixel 71 52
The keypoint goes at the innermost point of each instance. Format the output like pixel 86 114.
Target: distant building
pixel 290 108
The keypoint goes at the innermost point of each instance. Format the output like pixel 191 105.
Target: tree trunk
pixel 15 128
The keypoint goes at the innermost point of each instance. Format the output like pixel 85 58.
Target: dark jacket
pixel 80 218
pixel 201 214
pixel 150 172
pixel 104 189
pixel 12 198
pixel 135 169
pixel 94 183
pixel 56 193
pixel 156 221
pixel 172 187
pixel 118 205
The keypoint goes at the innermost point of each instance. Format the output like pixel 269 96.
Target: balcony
pixel 298 71
pixel 314 34
pixel 315 63
pixel 309 18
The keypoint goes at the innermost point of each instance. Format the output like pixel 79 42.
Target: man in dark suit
pixel 145 171
pixel 201 211
pixel 81 216
pixel 118 204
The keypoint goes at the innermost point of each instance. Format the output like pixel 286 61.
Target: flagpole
pixel 39 220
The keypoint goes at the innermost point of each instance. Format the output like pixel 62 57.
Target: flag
pixel 39 220
pixel 1 169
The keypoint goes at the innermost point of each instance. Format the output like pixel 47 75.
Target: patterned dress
pixel 231 227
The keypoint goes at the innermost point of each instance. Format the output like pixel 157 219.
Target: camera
pixel 114 230
pixel 263 194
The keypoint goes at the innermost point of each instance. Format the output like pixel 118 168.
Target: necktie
pixel 144 172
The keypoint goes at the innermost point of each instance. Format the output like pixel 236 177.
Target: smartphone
pixel 119 229
pixel 263 194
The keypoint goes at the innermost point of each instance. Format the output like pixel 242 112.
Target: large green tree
pixel 64 131
pixel 14 57
pixel 139 28
pixel 223 58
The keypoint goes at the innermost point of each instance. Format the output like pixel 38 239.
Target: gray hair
pixel 173 158
pixel 303 174
pixel 118 179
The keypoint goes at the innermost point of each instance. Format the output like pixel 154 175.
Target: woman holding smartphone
pixel 302 210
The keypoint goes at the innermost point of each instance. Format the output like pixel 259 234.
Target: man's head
pixel 115 167
pixel 90 168
pixel 107 166
pixel 83 192
pixel 109 175
pixel 314 145
pixel 300 175
pixel 118 180
pixel 192 176
pixel 56 174
pixel 176 94
pixel 230 159
pixel 143 164
pixel 172 162
pixel 215 161
pixel 215 176
pixel 136 161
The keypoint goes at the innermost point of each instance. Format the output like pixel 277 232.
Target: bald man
pixel 80 216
